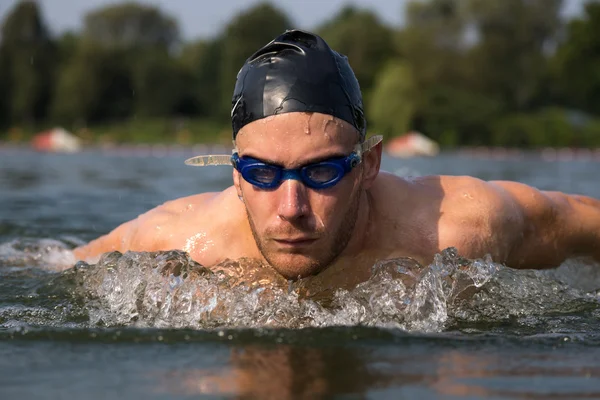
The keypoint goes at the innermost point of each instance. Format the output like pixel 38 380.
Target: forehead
pixel 296 136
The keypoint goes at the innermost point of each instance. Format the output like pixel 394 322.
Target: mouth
pixel 295 242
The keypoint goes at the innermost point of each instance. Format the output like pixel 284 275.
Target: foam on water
pixel 169 290
pixel 47 254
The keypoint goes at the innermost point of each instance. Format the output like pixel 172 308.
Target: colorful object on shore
pixel 413 144
pixel 56 140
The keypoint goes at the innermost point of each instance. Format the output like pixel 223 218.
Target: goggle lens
pixel 321 174
pixel 260 174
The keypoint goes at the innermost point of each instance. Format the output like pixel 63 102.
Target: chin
pixel 294 266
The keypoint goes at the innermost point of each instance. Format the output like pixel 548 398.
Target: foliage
pixel 464 72
pixel 433 41
pixel 392 103
pixel 510 53
pixel 453 115
pixel 131 25
pixel 548 127
pixel 577 62
pixel 359 35
pixel 28 64
pixel 94 86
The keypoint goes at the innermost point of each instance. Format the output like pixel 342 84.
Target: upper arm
pixel 154 230
pixel 117 240
pixel 134 235
pixel 478 218
pixel 555 226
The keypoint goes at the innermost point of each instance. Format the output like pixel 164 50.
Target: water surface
pixel 134 326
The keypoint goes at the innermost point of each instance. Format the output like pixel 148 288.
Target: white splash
pixel 168 289
pixel 47 254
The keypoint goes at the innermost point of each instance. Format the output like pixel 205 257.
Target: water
pixel 158 325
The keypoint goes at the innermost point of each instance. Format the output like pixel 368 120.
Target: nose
pixel 293 201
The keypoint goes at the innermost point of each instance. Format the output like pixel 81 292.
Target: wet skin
pixel 368 216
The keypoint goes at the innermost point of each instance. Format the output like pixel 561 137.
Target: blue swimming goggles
pixel 319 175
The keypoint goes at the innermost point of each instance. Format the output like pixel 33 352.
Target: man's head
pixel 297 103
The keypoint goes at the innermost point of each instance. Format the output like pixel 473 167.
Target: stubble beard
pixel 305 265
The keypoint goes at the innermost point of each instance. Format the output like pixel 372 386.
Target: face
pixel 300 230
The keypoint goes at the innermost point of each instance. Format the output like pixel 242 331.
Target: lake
pixel 124 328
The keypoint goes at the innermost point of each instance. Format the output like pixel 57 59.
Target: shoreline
pixel 169 150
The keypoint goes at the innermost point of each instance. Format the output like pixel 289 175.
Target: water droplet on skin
pixel 327 122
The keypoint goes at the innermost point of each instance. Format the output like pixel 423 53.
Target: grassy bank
pixel 168 131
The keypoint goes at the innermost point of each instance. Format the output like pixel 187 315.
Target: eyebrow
pixel 304 164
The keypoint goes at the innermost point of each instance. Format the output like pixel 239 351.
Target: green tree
pixel 201 62
pixel 577 61
pixel 131 25
pixel 392 105
pixel 364 39
pixel 5 90
pixel 122 65
pixel 456 116
pixel 96 85
pixel 246 33
pixel 434 42
pixel 548 127
pixel 510 53
pixel 28 64
pixel 159 84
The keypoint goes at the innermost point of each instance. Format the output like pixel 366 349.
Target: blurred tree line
pixel 463 72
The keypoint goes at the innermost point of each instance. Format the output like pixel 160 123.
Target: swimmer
pixel 308 197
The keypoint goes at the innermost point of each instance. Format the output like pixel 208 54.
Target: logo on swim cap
pixel 297 72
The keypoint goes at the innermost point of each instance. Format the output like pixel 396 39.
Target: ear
pixel 371 165
pixel 236 182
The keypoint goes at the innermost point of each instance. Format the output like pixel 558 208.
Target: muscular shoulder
pixel 478 217
pixel 439 196
pixel 170 226
pixel 475 216
pixel 471 195
pixel 172 209
pixel 165 226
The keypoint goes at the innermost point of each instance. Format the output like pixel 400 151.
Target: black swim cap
pixel 297 71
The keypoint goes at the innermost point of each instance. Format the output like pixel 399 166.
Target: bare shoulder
pixel 164 226
pixel 168 226
pixel 462 192
pixel 448 194
pixel 177 207
pixel 515 223
pixel 473 215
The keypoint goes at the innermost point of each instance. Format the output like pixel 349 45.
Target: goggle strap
pixel 223 159
pixel 368 144
pixel 204 161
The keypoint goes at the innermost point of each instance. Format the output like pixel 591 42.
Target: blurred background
pixel 512 73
